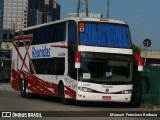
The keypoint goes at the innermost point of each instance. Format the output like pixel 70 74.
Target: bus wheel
pixel 27 94
pixel 22 90
pixel 62 96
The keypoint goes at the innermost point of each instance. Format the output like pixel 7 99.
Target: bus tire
pixel 22 90
pixel 62 95
pixel 27 93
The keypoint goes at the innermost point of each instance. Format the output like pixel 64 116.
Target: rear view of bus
pixel 104 61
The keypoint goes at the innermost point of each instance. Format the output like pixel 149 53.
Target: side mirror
pixel 77 60
pixel 140 62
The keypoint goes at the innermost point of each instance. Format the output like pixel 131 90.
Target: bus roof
pixel 77 19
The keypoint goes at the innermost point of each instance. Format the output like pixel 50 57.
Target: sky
pixel 142 16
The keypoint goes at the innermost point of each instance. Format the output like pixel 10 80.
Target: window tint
pixel 105 35
pixel 50 66
pixel 48 34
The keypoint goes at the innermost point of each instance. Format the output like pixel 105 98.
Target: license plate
pixel 106 97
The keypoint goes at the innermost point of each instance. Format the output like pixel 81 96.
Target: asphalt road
pixel 11 100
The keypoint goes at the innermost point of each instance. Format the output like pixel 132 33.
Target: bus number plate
pixel 106 97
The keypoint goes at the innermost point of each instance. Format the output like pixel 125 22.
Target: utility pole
pixel 108 8
pixel 82 7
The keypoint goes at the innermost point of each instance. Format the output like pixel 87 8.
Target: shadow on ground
pixel 85 104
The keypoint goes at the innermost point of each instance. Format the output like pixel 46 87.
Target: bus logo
pixel 107 90
pixel 43 52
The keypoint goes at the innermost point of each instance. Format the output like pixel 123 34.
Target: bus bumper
pixel 86 96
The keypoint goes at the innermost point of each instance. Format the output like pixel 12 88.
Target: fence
pixel 150 85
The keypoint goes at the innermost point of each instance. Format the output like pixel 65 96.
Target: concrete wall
pixel 151 54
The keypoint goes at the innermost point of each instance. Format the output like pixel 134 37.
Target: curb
pixel 150 106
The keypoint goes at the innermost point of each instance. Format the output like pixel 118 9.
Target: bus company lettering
pixel 107 86
pixel 44 52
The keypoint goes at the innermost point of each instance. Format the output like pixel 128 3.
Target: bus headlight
pixel 126 91
pixel 85 89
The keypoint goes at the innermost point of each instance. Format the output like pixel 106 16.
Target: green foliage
pixel 136 49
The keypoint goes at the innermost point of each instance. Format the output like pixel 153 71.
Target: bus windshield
pixel 104 34
pixel 106 68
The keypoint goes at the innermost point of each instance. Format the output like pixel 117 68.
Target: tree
pixel 136 49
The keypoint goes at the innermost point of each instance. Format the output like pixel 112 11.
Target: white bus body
pixel 43 60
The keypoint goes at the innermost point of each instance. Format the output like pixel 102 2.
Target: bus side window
pixel 35 37
pixel 57 33
pixel 53 34
pixel 60 66
pixel 41 36
pixel 50 66
pixel 61 32
pixel 45 38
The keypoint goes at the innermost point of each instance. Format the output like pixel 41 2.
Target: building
pixel 19 14
pixel 35 8
pixel 1 19
pixel 152 57
pixel 14 16
pixel 42 11
pixel 53 10
pixel 56 11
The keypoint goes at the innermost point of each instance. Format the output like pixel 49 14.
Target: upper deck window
pixel 47 34
pixel 105 35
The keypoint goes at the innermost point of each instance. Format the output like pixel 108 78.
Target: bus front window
pixel 101 67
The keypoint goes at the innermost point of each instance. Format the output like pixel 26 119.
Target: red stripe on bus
pixel 59 46
pixel 37 85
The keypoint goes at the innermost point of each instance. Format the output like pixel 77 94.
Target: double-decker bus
pixel 84 59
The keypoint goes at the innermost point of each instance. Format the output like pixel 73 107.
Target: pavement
pixel 6 87
pixel 150 106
